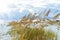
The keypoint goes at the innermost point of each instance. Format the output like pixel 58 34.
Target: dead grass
pixel 25 32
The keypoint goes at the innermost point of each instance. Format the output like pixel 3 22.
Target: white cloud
pixel 21 9
pixel 36 3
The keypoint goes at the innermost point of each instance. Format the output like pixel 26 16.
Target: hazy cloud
pixel 8 6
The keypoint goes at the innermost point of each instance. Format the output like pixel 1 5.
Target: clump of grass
pixel 20 32
pixel 27 33
pixel 37 34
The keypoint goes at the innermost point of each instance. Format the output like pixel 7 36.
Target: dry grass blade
pixel 47 13
pixel 56 16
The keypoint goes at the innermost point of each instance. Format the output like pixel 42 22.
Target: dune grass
pixel 27 33
pixel 21 30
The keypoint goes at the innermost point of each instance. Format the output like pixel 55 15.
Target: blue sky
pixel 15 9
